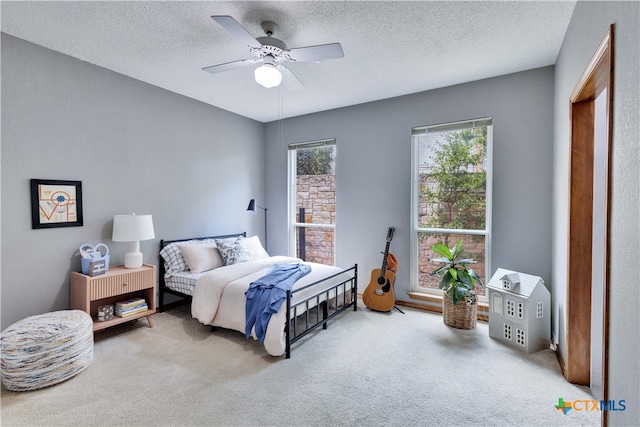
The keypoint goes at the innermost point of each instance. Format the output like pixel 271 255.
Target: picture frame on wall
pixel 56 203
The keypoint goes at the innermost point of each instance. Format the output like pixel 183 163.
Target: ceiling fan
pixel 272 53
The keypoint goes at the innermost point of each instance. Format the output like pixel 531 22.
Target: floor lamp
pixel 252 208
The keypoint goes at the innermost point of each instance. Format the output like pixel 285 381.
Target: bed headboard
pixel 162 288
pixel 164 243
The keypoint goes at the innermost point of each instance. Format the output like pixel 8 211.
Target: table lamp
pixel 132 228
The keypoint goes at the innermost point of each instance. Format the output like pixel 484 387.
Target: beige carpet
pixel 367 368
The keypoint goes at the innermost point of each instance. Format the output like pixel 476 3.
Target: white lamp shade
pixel 268 75
pixel 131 228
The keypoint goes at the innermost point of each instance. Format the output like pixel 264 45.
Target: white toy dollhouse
pixel 519 310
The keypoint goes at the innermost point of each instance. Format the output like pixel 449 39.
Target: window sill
pixel 433 303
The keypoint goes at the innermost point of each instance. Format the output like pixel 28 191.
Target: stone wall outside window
pixel 317 195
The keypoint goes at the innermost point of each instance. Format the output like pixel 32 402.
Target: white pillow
pixel 173 260
pixel 254 247
pixel 201 257
pixel 232 251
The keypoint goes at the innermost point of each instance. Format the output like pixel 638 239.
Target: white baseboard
pixel 553 345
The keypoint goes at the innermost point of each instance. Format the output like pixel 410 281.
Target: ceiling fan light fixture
pixel 273 53
pixel 268 75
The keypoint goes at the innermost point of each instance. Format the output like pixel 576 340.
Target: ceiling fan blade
pixel 317 53
pixel 236 29
pixel 290 80
pixel 229 66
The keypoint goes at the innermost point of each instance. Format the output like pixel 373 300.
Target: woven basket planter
pixel 460 316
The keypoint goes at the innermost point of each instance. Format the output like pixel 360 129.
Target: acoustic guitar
pixel 379 293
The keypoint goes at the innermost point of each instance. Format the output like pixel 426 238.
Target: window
pixel 451 197
pixel 520 337
pixel 520 310
pixel 511 308
pixel 540 310
pixel 497 303
pixel 507 331
pixel 312 201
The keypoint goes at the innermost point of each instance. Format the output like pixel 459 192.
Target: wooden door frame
pixel 597 76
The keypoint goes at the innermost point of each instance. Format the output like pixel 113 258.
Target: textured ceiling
pixel 391 48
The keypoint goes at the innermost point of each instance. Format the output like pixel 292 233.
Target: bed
pixel 213 273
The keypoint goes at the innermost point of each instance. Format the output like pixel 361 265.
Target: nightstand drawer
pixel 109 285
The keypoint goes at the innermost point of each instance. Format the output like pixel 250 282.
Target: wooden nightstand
pixel 117 284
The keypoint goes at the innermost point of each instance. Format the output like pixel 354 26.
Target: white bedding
pixel 219 296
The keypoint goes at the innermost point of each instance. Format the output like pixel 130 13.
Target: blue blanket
pixel 266 294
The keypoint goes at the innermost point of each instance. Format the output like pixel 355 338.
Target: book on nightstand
pixel 130 307
pixel 133 302
pixel 131 311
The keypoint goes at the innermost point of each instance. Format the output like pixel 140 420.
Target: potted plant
pixel 460 305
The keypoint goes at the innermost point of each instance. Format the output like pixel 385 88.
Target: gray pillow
pixel 232 251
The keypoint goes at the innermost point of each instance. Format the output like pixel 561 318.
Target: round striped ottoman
pixel 46 349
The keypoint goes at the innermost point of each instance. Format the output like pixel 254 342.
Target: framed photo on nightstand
pixel 97 267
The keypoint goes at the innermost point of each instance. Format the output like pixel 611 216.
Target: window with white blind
pixel 312 201
pixel 451 197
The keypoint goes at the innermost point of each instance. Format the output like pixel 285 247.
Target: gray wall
pixel 373 170
pixel 588 26
pixel 135 147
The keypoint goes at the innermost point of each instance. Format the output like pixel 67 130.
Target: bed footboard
pixel 320 307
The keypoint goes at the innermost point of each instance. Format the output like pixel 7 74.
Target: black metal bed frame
pixel 163 286
pixel 349 296
pixel 345 295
